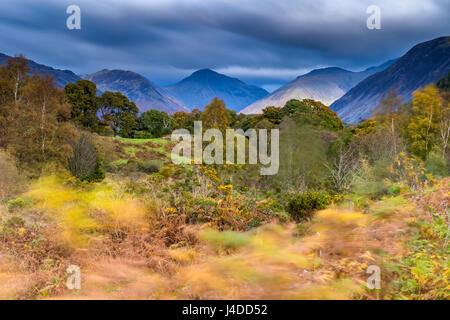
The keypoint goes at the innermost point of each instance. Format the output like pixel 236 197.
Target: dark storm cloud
pixel 262 42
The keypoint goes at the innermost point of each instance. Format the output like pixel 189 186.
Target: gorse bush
pixel 372 190
pixel 409 170
pixel 15 204
pixel 14 222
pixel 302 206
pixel 151 166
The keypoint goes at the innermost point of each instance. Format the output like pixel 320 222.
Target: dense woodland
pixel 103 159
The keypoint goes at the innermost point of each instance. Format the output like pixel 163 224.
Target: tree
pixel 85 162
pixel 423 124
pixel 310 112
pixel 342 167
pixel 273 114
pixel 233 117
pixel 16 73
pixel 248 121
pixel 444 123
pixel 33 117
pixel 38 135
pixel 181 120
pixel 302 155
pixel 13 77
pixel 196 115
pixel 82 95
pixel 216 116
pixel 42 94
pixel 444 83
pixel 119 113
pixel 265 124
pixel 388 109
pixel 158 123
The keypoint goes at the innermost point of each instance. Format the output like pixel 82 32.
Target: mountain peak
pixel 62 77
pixel 116 72
pixel 205 74
pixel 205 71
pixel 325 85
pixel 136 87
pixel 328 70
pixel 197 90
pixel 425 63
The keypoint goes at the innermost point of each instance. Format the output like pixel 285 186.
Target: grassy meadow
pixel 182 233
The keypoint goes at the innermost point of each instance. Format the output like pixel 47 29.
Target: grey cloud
pixel 263 42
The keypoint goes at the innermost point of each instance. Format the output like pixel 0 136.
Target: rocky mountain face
pixel 62 77
pixel 425 63
pixel 325 85
pixel 137 88
pixel 197 90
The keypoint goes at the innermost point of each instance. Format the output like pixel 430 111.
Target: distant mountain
pixel 325 85
pixel 425 63
pixel 144 93
pixel 197 90
pixel 62 77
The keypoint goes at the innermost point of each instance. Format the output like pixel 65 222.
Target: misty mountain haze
pixel 325 85
pixel 197 90
pixel 353 95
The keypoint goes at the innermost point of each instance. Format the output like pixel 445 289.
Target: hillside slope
pixel 62 77
pixel 425 63
pixel 326 258
pixel 324 85
pixel 197 90
pixel 145 94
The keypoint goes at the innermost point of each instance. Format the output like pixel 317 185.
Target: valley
pixel 355 208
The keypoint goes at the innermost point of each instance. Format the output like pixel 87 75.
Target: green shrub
pixel 381 170
pixel 98 175
pixel 205 203
pixel 228 240
pixel 360 202
pixel 14 222
pixel 394 190
pixel 15 204
pixel 151 166
pixel 107 132
pixel 115 166
pixel 142 135
pixel 436 164
pixel 371 189
pixel 303 206
pixel 254 223
pixel 166 171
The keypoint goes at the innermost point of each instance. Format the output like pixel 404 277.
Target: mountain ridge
pixel 325 85
pixel 62 77
pixel 198 89
pixel 136 87
pixel 424 63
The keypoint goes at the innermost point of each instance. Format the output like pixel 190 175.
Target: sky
pixel 261 42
